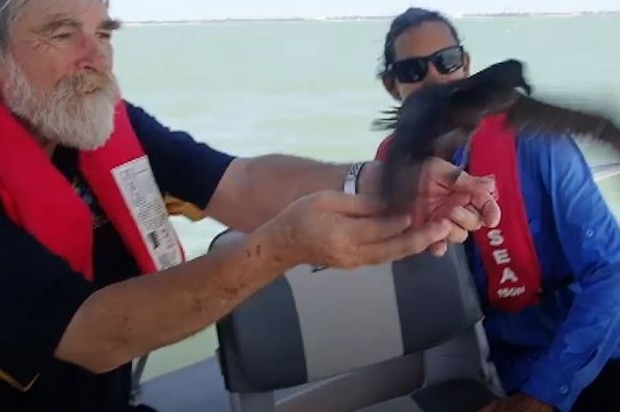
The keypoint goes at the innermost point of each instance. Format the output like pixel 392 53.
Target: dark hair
pixel 412 17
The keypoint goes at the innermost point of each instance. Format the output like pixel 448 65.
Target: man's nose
pixel 94 55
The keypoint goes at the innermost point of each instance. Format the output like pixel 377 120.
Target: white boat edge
pixel 602 172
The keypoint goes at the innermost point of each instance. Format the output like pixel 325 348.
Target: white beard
pixel 78 113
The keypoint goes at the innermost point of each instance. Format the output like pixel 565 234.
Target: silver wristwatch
pixel 352 178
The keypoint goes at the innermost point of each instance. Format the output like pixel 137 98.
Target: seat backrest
pixel 308 325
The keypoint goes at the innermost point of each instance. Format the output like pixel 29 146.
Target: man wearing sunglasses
pixel 549 274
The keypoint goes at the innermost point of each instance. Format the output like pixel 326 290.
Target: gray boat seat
pixel 451 396
pixel 391 337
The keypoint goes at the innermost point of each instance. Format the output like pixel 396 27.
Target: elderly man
pixel 87 182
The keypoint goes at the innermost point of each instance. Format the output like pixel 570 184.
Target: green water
pixel 308 88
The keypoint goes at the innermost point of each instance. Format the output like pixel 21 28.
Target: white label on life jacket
pixel 141 194
pixel 508 275
pixel 511 292
pixel 501 256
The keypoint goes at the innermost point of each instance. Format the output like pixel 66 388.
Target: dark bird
pixel 438 117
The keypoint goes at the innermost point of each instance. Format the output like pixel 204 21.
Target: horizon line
pixel 363 17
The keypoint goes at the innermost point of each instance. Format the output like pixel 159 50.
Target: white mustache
pixel 89 82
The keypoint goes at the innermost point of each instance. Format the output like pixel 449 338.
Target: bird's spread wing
pixel 583 119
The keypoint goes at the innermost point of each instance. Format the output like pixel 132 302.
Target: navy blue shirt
pixel 39 293
pixel 556 349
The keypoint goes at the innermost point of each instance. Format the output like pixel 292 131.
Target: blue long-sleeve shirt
pixel 553 351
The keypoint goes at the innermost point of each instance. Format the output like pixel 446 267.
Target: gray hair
pixel 10 11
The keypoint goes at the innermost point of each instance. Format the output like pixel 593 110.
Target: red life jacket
pixel 38 198
pixel 508 251
pixel 382 150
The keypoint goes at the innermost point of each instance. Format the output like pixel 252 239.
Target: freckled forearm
pixel 131 318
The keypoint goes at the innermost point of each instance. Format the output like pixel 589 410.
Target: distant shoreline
pixel 548 14
pixel 364 18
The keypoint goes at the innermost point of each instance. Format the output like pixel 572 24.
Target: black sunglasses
pixel 415 69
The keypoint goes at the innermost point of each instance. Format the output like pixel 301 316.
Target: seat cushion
pixel 452 396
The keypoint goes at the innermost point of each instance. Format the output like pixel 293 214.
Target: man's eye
pixel 62 35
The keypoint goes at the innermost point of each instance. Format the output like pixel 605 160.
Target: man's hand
pixel 517 403
pixel 339 230
pixel 446 192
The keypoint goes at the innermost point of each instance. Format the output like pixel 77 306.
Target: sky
pixel 169 10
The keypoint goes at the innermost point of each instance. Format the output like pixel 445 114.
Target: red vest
pixel 37 197
pixel 508 252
